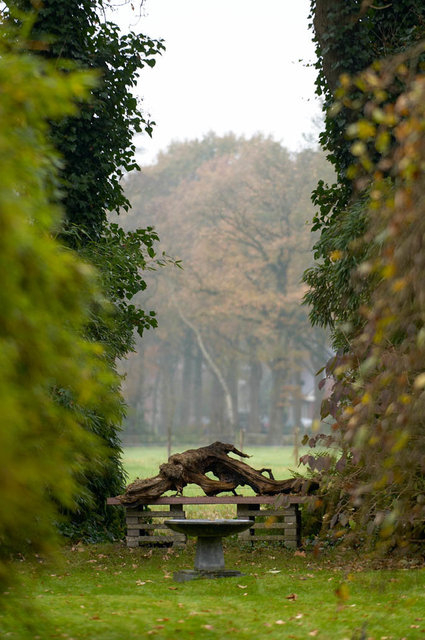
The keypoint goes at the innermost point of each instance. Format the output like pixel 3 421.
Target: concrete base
pixel 192 574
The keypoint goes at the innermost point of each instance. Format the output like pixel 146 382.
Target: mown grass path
pixel 109 592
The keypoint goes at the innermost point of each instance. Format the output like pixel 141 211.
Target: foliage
pixel 336 289
pixel 349 36
pixel 378 399
pixel 97 147
pixel 51 378
pixel 121 257
pixel 97 143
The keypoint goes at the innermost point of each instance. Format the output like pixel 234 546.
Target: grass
pixel 109 592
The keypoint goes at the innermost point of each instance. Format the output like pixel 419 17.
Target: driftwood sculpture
pixel 191 467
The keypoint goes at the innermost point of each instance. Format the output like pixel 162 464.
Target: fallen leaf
pixel 274 571
pixel 209 627
pixel 280 622
pixel 292 596
pixel 242 586
pixel 342 592
pixel 299 553
pixel 314 632
pixel 172 588
pixel 298 616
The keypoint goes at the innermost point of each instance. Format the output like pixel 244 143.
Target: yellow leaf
pixel 419 381
pixel 382 141
pixel 388 271
pixel 399 284
pixel 342 592
pixel 401 442
pixel 366 399
pixel 336 255
pixel 358 148
pixel 365 129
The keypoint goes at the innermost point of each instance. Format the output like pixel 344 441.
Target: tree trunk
pixel 217 410
pixel 197 388
pixel 232 380
pixel 155 403
pixel 328 13
pixel 298 399
pixel 230 411
pixel 186 380
pixel 277 402
pixel 255 375
pixel 168 397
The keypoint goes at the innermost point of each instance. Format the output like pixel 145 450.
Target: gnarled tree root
pixel 191 467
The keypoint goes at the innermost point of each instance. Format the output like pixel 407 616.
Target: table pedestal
pixel 209 558
pixel 209 554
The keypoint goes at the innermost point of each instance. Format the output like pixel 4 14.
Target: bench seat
pixel 274 518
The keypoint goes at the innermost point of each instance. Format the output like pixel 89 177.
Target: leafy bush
pixel 51 378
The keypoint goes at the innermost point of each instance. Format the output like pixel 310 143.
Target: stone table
pixel 209 558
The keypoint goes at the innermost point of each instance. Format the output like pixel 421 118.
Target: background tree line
pixel 234 348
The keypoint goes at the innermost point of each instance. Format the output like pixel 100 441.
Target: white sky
pixel 230 65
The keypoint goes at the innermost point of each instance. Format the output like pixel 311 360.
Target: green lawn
pixel 109 592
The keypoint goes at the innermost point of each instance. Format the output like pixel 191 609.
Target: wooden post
pixel 241 440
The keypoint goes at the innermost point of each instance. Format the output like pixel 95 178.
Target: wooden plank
pixel 271 533
pixel 132 542
pixel 274 525
pixel 266 513
pixel 266 538
pixel 284 499
pixel 153 525
pixel 147 515
pixel 160 514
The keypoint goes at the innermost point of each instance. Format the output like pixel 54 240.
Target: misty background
pixel 226 181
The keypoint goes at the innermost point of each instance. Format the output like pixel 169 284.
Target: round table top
pixel 208 528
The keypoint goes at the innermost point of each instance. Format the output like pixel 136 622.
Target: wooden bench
pixel 278 520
